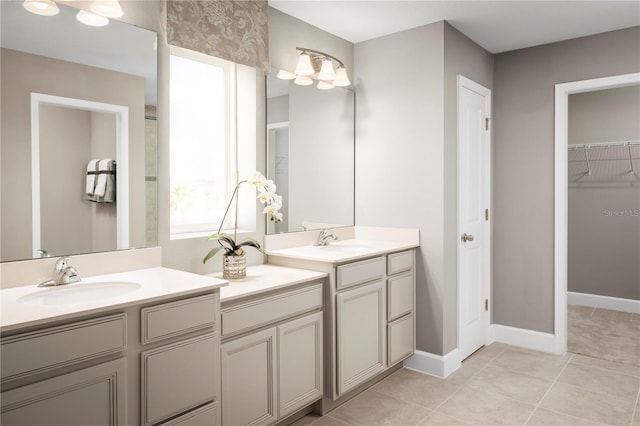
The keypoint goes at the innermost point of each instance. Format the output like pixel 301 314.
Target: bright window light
pixel 201 163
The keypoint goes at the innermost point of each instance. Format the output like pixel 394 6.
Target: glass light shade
pixel 92 19
pixel 286 75
pixel 341 79
pixel 41 7
pixel 304 66
pixel 326 72
pixel 325 85
pixel 108 8
pixel 302 80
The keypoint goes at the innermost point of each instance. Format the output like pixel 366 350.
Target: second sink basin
pixel 74 294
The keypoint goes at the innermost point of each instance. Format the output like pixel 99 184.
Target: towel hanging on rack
pixel 101 176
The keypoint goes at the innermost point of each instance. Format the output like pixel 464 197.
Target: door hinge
pixel 486 214
pixel 486 123
pixel 486 304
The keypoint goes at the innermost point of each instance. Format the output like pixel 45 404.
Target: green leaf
pixel 252 243
pixel 211 253
pixel 229 244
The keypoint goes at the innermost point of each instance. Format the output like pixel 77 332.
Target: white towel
pixel 91 178
pixel 101 183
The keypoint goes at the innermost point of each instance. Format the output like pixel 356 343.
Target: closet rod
pixel 603 145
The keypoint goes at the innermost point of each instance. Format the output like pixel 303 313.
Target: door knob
pixel 466 238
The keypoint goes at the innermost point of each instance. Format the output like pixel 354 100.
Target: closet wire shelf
pixel 626 145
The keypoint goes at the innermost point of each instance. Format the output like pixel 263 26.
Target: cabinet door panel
pixel 401 339
pixel 361 335
pixel 56 347
pixel 178 377
pixel 248 368
pixel 400 295
pixel 300 367
pixel 92 396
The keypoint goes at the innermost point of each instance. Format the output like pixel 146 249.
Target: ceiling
pixel 498 26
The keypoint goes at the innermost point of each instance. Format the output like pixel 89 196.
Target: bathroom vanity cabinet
pixel 152 363
pixel 369 319
pixel 271 354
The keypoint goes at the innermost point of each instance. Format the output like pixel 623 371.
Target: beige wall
pixel 400 155
pixel 22 74
pixel 65 147
pixel 605 115
pixel 523 164
pixel 604 207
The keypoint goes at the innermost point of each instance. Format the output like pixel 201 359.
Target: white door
pixel 474 106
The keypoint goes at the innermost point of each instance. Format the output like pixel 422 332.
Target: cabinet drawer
pixel 400 291
pixel 179 377
pixel 173 319
pixel 401 339
pixel 246 316
pixel 399 262
pixel 92 396
pixel 60 346
pixel 205 415
pixel 360 272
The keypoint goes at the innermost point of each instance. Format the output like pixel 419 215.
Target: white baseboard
pixel 603 302
pixel 536 340
pixel 434 365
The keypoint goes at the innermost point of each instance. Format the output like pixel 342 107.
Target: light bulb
pixel 326 72
pixel 108 8
pixel 286 75
pixel 91 19
pixel 302 80
pixel 304 66
pixel 325 85
pixel 341 79
pixel 41 7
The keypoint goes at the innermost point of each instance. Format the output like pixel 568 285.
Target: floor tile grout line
pixel 549 390
pixel 466 382
pixel 635 408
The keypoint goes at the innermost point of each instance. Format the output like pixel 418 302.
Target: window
pixel 202 141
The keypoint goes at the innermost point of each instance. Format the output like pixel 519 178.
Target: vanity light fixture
pixel 41 7
pixel 316 65
pixel 92 19
pixel 325 85
pixel 303 80
pixel 100 11
pixel 108 8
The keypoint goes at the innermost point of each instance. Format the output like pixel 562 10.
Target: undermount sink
pixel 79 293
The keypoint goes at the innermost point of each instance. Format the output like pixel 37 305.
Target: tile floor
pixel 597 383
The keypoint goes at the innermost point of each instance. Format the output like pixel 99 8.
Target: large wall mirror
pixel 311 154
pixel 78 112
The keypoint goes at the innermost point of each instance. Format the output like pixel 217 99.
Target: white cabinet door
pixel 93 396
pixel 300 367
pixel 248 367
pixel 401 339
pixel 361 335
pixel 178 377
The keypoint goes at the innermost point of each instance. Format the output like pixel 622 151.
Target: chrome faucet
pixel 323 238
pixel 63 273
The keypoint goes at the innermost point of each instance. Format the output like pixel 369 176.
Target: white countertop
pixel 262 278
pixel 146 285
pixel 343 250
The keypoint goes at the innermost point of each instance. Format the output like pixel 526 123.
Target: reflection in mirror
pixel 108 74
pixel 310 154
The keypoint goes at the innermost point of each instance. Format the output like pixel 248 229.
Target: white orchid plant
pixel 272 204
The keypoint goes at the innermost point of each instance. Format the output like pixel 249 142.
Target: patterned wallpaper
pixel 233 30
